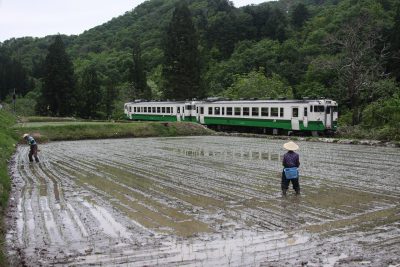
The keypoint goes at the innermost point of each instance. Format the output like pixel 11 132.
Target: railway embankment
pixel 81 130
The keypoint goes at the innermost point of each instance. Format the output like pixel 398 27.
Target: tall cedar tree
pixel 58 90
pixel 300 15
pixel 181 70
pixel 12 76
pixel 90 94
pixel 138 76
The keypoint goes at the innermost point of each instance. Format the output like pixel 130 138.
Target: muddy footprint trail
pixel 202 201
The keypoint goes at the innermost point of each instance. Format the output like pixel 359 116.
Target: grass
pixel 57 131
pixel 7 147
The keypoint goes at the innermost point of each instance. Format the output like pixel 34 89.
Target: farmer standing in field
pixel 33 147
pixel 290 172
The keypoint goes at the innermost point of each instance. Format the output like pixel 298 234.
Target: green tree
pixel 300 15
pixel 256 85
pixel 57 96
pixel 181 70
pixel 90 94
pixel 140 89
pixel 394 62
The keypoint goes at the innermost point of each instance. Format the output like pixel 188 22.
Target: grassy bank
pixel 56 131
pixel 7 146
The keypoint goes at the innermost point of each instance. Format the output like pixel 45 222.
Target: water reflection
pixel 226 154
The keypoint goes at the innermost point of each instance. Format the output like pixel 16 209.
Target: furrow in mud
pixel 201 201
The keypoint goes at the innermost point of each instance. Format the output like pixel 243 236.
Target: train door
pixel 178 113
pixel 295 118
pixel 305 117
pixel 201 115
pixel 328 117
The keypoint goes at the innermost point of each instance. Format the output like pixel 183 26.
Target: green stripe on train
pixel 247 122
pixel 267 123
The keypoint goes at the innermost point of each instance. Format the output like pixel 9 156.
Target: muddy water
pixel 203 201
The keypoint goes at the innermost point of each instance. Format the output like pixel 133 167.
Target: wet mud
pixel 203 201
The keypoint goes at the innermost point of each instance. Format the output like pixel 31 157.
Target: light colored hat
pixel 25 135
pixel 290 146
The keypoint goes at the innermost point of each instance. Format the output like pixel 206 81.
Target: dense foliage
pixel 348 50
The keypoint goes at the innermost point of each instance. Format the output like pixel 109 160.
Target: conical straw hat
pixel 290 146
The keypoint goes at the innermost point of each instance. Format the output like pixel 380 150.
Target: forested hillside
pixel 347 50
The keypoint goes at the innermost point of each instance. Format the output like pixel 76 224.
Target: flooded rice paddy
pixel 203 201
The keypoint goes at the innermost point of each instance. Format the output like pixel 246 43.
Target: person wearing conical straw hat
pixel 33 147
pixel 290 163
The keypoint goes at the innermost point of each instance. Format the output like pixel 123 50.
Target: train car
pixel 275 116
pixel 161 111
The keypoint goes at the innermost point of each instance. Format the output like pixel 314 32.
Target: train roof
pixel 247 101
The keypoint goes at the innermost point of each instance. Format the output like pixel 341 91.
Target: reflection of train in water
pixel 276 116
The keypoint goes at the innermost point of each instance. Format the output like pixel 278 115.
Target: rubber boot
pixel 298 192
pixel 284 192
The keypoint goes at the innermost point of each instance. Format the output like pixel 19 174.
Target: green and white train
pixel 317 116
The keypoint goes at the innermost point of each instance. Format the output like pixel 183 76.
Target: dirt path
pixel 203 201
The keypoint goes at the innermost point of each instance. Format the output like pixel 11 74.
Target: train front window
pixel 130 109
pixel 305 112
pixel 178 110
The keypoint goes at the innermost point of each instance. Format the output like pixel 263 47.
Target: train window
pixel 163 110
pixel 319 108
pixel 311 108
pixel 265 112
pixel 246 111
pixel 130 109
pixel 197 110
pixel 295 112
pixel 158 110
pixel 223 111
pixel 335 108
pixel 201 110
pixel 210 109
pixel 217 110
pixel 281 114
pixel 178 110
pixel 168 110
pixel 229 111
pixel 153 109
pixel 305 112
pixel 274 112
pixel 145 109
pixel 237 111
pixel 328 110
pixel 255 111
pixel 188 107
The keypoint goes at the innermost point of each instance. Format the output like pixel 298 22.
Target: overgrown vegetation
pixel 346 50
pixel 7 146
